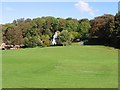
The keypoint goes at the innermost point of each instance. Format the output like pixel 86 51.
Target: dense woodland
pixel 102 30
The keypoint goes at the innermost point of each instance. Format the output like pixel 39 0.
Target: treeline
pixel 104 30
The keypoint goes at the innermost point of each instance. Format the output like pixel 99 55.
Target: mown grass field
pixel 61 67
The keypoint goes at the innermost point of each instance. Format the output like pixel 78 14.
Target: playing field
pixel 61 67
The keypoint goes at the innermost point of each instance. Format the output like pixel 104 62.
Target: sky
pixel 15 10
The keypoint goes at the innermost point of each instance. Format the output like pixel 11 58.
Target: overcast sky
pixel 78 10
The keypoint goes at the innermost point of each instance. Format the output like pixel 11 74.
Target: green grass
pixel 61 67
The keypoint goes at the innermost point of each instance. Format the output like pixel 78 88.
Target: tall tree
pixel 84 27
pixel 13 36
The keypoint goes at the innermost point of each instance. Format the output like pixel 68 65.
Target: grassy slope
pixel 72 66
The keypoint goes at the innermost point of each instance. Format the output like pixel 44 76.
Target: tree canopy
pixel 40 31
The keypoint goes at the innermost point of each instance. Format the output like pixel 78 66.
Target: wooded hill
pixel 102 30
